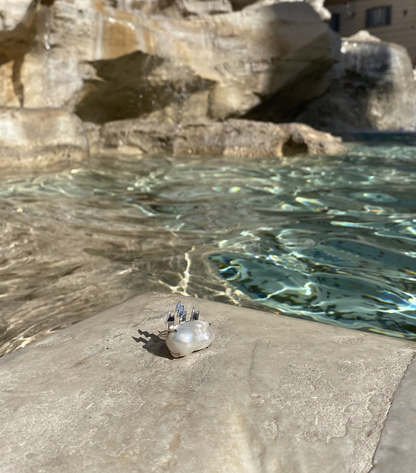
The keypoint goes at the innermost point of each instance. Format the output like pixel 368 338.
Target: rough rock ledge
pixel 245 138
pixel 271 394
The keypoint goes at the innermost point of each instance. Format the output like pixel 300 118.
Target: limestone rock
pixel 157 89
pixel 202 7
pixel 301 137
pixel 373 88
pixel 131 137
pixel 317 5
pixel 363 35
pixel 67 55
pixel 12 13
pixel 254 139
pixel 186 8
pixel 272 394
pixel 169 8
pixel 32 138
pixel 17 33
pixel 230 138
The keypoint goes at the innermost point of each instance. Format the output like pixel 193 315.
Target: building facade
pixel 390 20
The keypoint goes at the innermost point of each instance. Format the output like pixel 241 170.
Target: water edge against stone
pixel 319 237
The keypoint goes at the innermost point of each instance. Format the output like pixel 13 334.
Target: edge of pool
pixel 271 394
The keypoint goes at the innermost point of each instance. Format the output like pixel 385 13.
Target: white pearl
pixel 185 338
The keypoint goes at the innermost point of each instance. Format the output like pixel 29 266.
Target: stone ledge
pixel 272 394
pixel 245 138
pixel 32 138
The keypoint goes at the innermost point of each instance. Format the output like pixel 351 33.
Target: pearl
pixel 187 337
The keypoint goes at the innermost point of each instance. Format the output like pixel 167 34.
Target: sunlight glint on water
pixel 325 238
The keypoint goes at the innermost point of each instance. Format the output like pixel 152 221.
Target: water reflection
pixel 325 238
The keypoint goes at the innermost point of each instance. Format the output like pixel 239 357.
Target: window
pixel 334 21
pixel 379 16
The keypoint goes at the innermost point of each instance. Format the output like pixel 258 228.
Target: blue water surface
pixel 325 238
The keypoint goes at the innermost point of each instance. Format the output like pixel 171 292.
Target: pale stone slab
pixel 272 394
pixel 396 452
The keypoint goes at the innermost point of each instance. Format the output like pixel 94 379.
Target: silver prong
pixel 181 313
pixel 170 319
pixel 195 314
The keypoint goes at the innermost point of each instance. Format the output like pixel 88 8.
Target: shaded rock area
pixel 67 54
pixel 131 137
pixel 186 8
pixel 317 5
pixel 373 88
pixel 253 139
pixel 231 138
pixel 272 394
pixel 161 89
pixel 31 138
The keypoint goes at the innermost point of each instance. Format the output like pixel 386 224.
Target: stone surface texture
pixel 396 450
pixel 83 55
pixel 35 138
pixel 12 13
pixel 373 88
pixel 230 138
pixel 317 5
pixel 272 394
pixel 363 35
pixel 31 138
pixel 133 136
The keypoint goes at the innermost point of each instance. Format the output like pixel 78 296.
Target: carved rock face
pixel 185 338
pixel 118 62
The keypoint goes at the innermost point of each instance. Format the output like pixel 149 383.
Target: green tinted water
pixel 331 239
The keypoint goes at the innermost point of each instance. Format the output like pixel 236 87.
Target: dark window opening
pixel 380 16
pixel 334 22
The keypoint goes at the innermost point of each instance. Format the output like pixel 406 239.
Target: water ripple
pixel 330 239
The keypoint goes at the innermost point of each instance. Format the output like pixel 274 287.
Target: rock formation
pixel 231 138
pixel 108 60
pixel 372 89
pixel 31 138
pixel 317 5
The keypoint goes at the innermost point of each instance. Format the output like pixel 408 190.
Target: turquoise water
pixel 324 238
